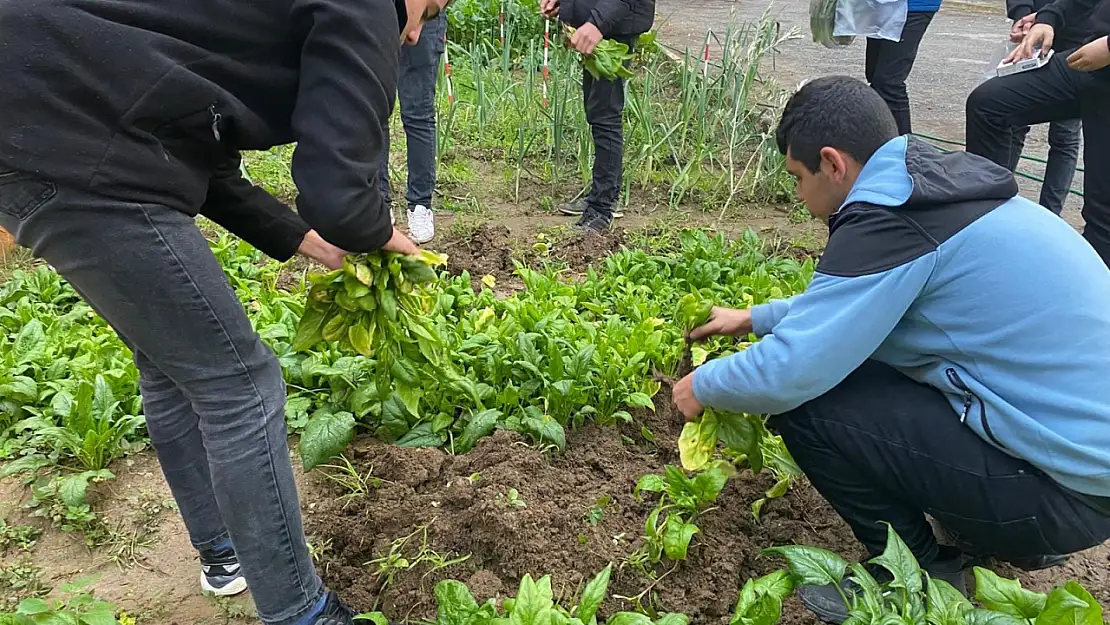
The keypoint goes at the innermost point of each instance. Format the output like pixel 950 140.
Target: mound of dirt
pixel 584 249
pixel 488 250
pixel 485 251
pixel 469 510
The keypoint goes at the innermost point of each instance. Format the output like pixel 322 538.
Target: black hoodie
pixel 1075 34
pixel 1091 17
pixel 152 100
pixel 614 18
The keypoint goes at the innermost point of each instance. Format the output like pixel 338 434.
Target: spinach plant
pixel 535 604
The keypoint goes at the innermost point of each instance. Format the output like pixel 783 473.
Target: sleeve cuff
pixel 1019 12
pixel 763 319
pixel 703 388
pixel 1049 17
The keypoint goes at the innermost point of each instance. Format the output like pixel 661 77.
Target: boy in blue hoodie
pixel 951 357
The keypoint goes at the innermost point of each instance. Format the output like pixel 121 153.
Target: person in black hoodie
pixel 1073 84
pixel 123 120
pixel 1063 135
pixel 623 21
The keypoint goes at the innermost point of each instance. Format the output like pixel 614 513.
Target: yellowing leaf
pixel 697 442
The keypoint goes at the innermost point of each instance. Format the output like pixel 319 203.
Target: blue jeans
pixel 212 392
pixel 1063 154
pixel 416 91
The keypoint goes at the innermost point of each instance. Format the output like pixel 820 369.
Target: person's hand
pixel 315 247
pixel 1021 27
pixel 549 8
pixel 401 244
pixel 1039 36
pixel 586 38
pixel 1091 57
pixel 724 322
pixel 683 396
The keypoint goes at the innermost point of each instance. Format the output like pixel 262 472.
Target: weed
pixel 455 171
pixel 319 550
pixel 347 477
pixel 467 205
pixel 61 500
pixel 597 511
pixel 23 580
pixel 232 610
pixel 510 499
pixel 409 552
pixel 797 214
pixel 21 537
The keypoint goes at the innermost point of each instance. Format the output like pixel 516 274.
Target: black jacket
pixel 1075 34
pixel 1089 18
pixel 614 18
pixel 152 100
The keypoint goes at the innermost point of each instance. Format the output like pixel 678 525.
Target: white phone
pixel 1037 62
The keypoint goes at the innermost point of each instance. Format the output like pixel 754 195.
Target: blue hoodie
pixel 923 6
pixel 936 268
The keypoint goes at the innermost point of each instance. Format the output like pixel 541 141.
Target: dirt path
pixel 952 60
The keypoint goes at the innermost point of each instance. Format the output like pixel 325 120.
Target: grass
pixel 691 137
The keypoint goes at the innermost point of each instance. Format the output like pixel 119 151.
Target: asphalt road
pixel 952 60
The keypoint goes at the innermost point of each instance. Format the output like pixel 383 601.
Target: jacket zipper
pixel 216 117
pixel 969 397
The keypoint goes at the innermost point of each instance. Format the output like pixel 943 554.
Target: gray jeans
pixel 416 92
pixel 1063 155
pixel 212 391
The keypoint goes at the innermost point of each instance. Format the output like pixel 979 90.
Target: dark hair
pixel 838 112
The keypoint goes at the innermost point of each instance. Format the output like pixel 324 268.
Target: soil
pixel 462 502
pixel 487 250
pixel 490 249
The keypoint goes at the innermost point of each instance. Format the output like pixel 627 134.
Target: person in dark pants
pixel 103 169
pixel 902 379
pixel 416 92
pixel 1070 86
pixel 1063 135
pixel 623 21
pixel 1063 155
pixel 887 64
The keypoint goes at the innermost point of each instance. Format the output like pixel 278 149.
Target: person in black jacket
pixel 623 21
pixel 1063 135
pixel 1073 84
pixel 124 120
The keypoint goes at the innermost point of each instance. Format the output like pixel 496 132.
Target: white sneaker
pixel 421 225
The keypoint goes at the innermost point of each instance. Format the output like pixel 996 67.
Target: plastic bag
pixel 877 19
pixel 1000 52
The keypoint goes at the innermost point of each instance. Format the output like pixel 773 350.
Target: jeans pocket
pixel 1014 538
pixel 23 194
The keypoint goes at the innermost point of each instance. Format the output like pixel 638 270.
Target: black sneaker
pixel 220 574
pixel 336 612
pixel 827 604
pixel 1039 563
pixel 574 208
pixel 593 222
